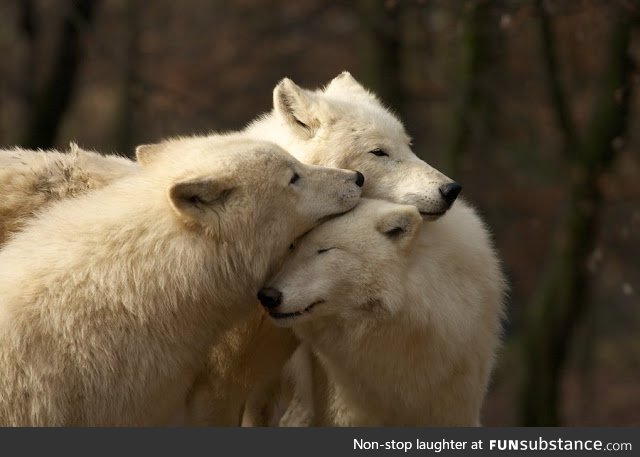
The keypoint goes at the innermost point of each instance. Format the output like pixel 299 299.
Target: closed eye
pixel 294 178
pixel 321 251
pixel 379 152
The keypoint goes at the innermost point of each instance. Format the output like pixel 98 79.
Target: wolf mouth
pixel 277 315
pixel 432 216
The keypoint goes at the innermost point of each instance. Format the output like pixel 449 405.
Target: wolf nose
pixel 450 192
pixel 359 179
pixel 270 298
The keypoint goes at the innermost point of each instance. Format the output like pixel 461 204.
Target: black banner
pixel 311 442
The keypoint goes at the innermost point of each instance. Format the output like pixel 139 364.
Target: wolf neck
pixel 362 363
pixel 164 275
pixel 213 286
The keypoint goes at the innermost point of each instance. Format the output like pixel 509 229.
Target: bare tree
pixel 477 42
pixel 52 102
pixel 562 298
pixel 29 31
pixel 380 49
pixel 128 93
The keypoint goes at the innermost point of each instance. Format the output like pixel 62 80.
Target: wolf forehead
pixel 228 152
pixel 365 123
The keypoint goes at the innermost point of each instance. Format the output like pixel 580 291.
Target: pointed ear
pixel 296 106
pixel 345 84
pixel 196 198
pixel 400 223
pixel 146 152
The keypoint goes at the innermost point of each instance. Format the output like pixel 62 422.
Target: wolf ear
pixel 296 106
pixel 345 84
pixel 400 224
pixel 196 198
pixel 146 152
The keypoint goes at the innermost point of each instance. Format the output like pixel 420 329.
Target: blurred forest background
pixel 533 105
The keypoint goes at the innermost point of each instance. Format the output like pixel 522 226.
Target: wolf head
pixel 225 184
pixel 346 126
pixel 334 277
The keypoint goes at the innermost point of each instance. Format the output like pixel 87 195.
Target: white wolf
pixel 341 125
pixel 109 302
pixel 31 180
pixel 404 340
pixel 345 126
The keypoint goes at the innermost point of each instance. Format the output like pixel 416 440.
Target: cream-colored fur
pixel 341 125
pixel 30 180
pixel 405 340
pixel 345 126
pixel 110 301
pixel 242 367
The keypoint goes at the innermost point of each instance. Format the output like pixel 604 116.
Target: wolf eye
pixel 379 152
pixel 321 251
pixel 294 178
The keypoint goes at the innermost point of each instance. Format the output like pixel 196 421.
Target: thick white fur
pixel 345 124
pixel 338 126
pixel 110 301
pixel 405 340
pixel 30 180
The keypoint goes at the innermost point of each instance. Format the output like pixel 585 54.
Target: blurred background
pixel 533 105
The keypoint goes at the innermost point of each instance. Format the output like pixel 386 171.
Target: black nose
pixel 359 179
pixel 450 192
pixel 270 298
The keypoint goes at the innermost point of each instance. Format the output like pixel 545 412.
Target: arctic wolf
pixel 109 301
pixel 345 126
pixel 403 340
pixel 31 180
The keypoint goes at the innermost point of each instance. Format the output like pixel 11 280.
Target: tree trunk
pixel 380 48
pixel 124 121
pixel 29 31
pixel 476 43
pixel 52 102
pixel 562 298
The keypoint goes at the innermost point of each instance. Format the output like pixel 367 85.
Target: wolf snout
pixel 359 179
pixel 270 298
pixel 450 192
